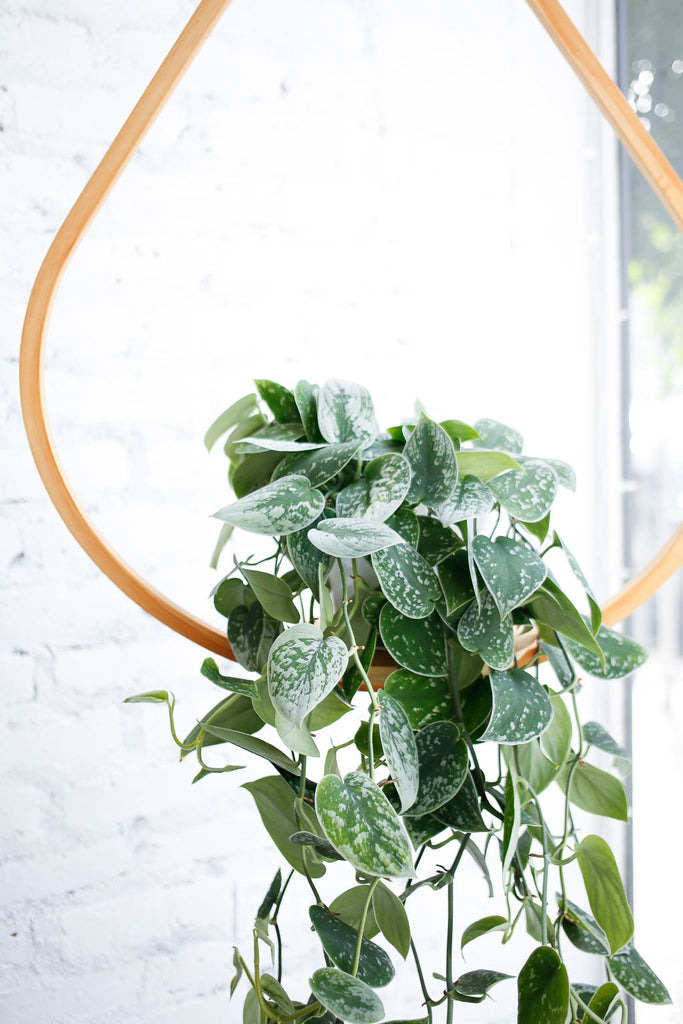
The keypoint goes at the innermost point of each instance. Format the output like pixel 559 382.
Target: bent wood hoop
pixel 640 145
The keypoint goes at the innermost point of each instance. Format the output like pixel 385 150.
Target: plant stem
pixel 302 791
pixel 449 953
pixel 374 709
pixel 425 993
pixel 361 927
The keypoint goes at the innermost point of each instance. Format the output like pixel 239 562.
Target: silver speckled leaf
pixel 637 977
pixel 339 942
pixel 416 644
pixel 622 655
pixel 278 508
pixel 484 633
pixel 352 538
pixel 424 699
pixel 431 455
pixel 511 570
pixel 407 580
pixel 346 997
pixel 303 668
pixel 360 822
pixel 400 749
pixel 493 434
pixel 346 413
pixel 444 766
pixel 527 495
pixel 380 493
pixel 521 708
pixel 543 989
pixel 470 498
pixel 317 466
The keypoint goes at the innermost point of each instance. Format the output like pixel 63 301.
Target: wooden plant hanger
pixel 637 141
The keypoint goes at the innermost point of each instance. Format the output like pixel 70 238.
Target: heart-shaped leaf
pixel 583 931
pixel 462 811
pixel 484 926
pixel 639 980
pixel 550 606
pixel 456 581
pixel 604 1001
pixel 535 766
pixel 346 413
pixel 472 986
pixel 529 493
pixel 622 655
pixel 521 708
pixel 317 466
pixel 392 919
pixel 408 581
pixel 596 791
pixel 543 989
pixel 512 571
pixel 360 822
pixel 275 803
pixel 380 493
pixel 416 644
pixel 423 699
pixel 352 538
pixel 556 739
pixel 303 667
pixel 436 542
pixel 459 431
pixel 349 906
pixel 468 499
pixel 278 508
pixel 406 524
pixel 485 464
pixel 400 749
pixel 444 765
pixel 339 942
pixel 605 891
pixel 493 434
pixel 483 632
pixel 279 400
pixel 273 594
pixel 246 627
pixel 431 455
pixel 306 559
pixel 348 998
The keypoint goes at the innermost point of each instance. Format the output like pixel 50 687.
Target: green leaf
pixel 296 737
pixel 534 766
pixel 639 980
pixel 605 891
pixel 456 581
pixel 346 413
pixel 512 819
pixel 462 810
pixel 436 542
pixel 237 411
pixel 416 644
pixel 551 607
pixel 278 508
pixel 325 849
pixel 348 998
pixel 352 538
pixel 484 464
pixel 596 791
pixel 459 431
pixel 511 571
pixel 622 655
pixel 339 942
pixel 392 919
pixel 151 697
pixel 244 429
pixel 224 535
pixel 431 455
pixel 279 400
pixel 527 494
pixel 472 986
pixel 251 1013
pixel 252 744
pixel 565 473
pixel 229 594
pixel 233 684
pixel 408 581
pixel 543 989
pixel 444 765
pixel 400 749
pixel 360 822
pixel 264 442
pixel 596 613
pixel 483 632
pixel 252 473
pixel 273 594
pixel 276 995
pixel 275 803
pixel 424 699
pixel 349 908
pixel 303 668
pixel 468 499
pixel 317 466
pixel 604 1001
pixel 407 526
pixel 306 559
pixel 263 912
pixel 493 434
pixel 380 493
pixel 246 629
pixel 556 740
pixel 484 926
pixel 583 931
pixel 597 736
pixel 306 398
pixel 234 712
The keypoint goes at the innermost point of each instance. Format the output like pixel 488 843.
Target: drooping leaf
pixel 512 571
pixel 400 749
pixel 233 684
pixel 605 891
pixel 459 431
pixel 527 494
pixel 237 411
pixel 352 538
pixel 346 413
pixel 512 819
pixel 253 744
pixel 583 931
pixel 535 766
pixel 407 580
pixel 416 644
pixel 234 712
pixel 436 542
pixel 278 508
pixel 596 613
pixel 596 791
pixel 407 526
pixel 483 632
pixel 560 664
pixel 306 398
pixel 556 740
pixel 431 455
pixel 303 667
pixel 346 997
pixel 380 493
pixel 151 697
pixel 424 699
pixel 339 942
pixel 550 606
pixel 392 919
pixel 306 558
pixel 468 499
pixel 325 849
pixel 639 980
pixel 444 765
pixel 246 628
pixel 456 582
pixel 462 810
pixel 275 803
pixel 224 535
pixel 622 655
pixel 473 986
pixel 604 1001
pixel 543 989
pixel 252 473
pixel 348 907
pixel 493 434
pixel 273 594
pixel 485 464
pixel 230 593
pixel 264 442
pixel 597 736
pixel 484 926
pixel 279 400
pixel 360 822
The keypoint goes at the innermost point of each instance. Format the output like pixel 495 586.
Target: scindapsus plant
pixel 429 544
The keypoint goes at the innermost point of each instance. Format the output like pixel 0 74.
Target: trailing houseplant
pixel 426 545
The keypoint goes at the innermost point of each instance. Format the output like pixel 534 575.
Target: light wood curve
pixel 642 148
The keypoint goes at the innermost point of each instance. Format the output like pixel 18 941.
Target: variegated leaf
pixel 512 571
pixel 407 580
pixel 380 493
pixel 416 644
pixel 317 466
pixel 493 434
pixel 484 633
pixel 346 413
pixel 424 699
pixel 469 498
pixel 303 667
pixel 306 559
pixel 622 655
pixel 352 538
pixel 527 494
pixel 637 977
pixel 360 822
pixel 521 708
pixel 444 765
pixel 339 942
pixel 431 455
pixel 346 997
pixel 400 749
pixel 278 508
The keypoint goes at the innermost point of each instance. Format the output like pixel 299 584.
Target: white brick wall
pixel 336 189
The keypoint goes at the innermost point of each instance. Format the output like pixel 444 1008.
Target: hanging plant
pixel 428 543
